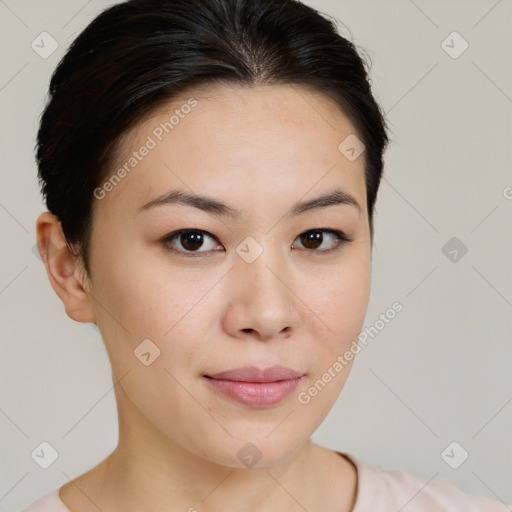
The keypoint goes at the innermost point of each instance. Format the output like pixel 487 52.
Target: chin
pixel 247 452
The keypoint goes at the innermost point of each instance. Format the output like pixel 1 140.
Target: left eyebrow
pixel 215 207
pixel 335 197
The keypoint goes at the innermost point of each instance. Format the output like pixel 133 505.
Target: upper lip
pixel 253 374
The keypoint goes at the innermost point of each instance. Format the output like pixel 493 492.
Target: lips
pixel 256 387
pixel 253 374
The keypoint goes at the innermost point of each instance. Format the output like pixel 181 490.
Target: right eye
pixel 190 241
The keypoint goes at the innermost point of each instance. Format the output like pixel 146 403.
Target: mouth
pixel 255 387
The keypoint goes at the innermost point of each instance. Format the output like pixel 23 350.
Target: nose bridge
pixel 261 265
pixel 263 288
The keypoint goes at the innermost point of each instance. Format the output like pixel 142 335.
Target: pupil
pixel 191 241
pixel 313 238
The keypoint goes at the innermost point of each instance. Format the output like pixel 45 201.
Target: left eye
pixel 191 240
pixel 314 238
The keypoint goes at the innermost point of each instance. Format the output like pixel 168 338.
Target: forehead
pixel 225 140
pixel 228 113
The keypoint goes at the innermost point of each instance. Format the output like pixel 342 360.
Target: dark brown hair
pixel 139 54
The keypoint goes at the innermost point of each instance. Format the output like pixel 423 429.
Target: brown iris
pixel 311 239
pixel 191 241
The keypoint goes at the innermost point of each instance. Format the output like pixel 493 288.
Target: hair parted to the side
pixel 139 54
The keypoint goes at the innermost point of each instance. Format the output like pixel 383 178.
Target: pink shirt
pixel 378 490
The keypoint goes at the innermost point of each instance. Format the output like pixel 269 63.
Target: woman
pixel 210 168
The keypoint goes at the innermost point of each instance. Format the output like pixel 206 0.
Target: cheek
pixel 139 295
pixel 168 305
pixel 340 299
pixel 349 303
pixel 341 304
pixel 138 303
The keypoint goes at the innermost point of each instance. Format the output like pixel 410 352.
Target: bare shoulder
pixel 77 494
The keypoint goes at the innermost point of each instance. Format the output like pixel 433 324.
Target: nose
pixel 261 300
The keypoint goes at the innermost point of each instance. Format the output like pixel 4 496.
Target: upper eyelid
pixel 174 234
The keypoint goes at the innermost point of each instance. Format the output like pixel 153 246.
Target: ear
pixel 64 270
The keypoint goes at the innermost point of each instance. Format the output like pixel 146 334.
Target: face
pixel 185 291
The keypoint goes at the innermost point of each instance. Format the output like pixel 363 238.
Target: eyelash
pixel 341 239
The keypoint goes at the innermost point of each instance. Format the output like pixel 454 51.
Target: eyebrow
pixel 215 207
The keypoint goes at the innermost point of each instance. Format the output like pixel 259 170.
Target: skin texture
pixel 259 150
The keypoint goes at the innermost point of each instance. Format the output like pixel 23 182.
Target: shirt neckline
pixel 346 456
pixel 358 468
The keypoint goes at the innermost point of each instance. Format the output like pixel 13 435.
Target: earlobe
pixel 63 269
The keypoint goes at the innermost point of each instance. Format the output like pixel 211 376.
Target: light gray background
pixel 439 372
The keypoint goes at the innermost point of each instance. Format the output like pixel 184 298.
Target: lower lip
pixel 255 394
